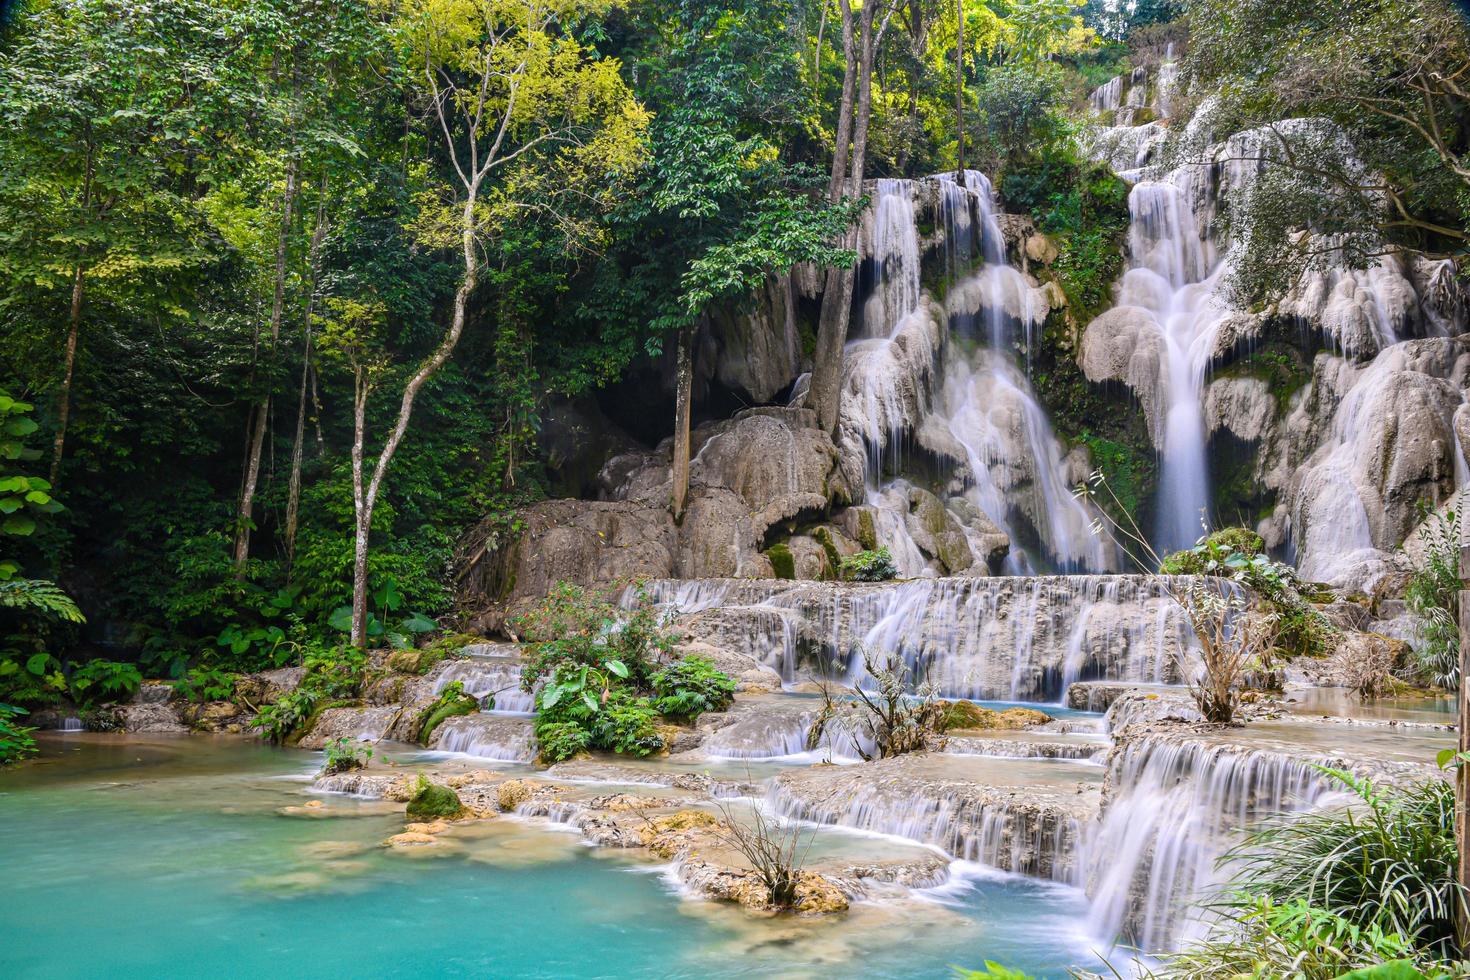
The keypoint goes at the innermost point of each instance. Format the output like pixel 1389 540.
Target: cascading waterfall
pixel 1174 808
pixel 484 677
pixel 1000 639
pixel 1018 474
pixel 1172 285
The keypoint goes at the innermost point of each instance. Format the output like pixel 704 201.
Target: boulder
pixel 1124 345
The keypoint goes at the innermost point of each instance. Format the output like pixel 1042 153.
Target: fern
pixel 39 595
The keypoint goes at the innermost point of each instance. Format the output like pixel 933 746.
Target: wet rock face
pixel 764 467
pixel 354 724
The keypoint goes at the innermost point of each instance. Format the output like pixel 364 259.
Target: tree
pixel 523 109
pixel 721 206
pixel 103 102
pixel 1391 168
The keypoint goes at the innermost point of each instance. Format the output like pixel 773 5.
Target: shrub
pixel 204 684
pixel 687 688
pixel 15 739
pixel 869 566
pixel 1386 863
pixel 431 801
pixel 105 680
pixel 331 675
pixel 1291 939
pixel 1213 554
pixel 1433 598
pixel 452 701
pixel 561 740
pixel 628 724
pixel 894 721
pixel 575 625
pixel 345 755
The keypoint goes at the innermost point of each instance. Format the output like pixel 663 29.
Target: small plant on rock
pixel 1433 598
pixel 869 566
pixel 688 688
pixel 776 851
pixel 205 684
pixel 895 721
pixel 105 680
pixel 345 755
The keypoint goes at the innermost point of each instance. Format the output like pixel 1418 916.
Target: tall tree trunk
pixel 683 404
pixel 1462 769
pixel 365 499
pixel 298 445
pixel 63 409
pixel 361 511
pixel 824 394
pixel 959 84
pixel 262 409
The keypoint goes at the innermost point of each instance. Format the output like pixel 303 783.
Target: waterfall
pixel 482 677
pixel 995 639
pixel 893 247
pixel 486 736
pixel 1173 809
pixel 1171 288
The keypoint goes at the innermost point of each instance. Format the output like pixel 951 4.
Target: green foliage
pixel 204 684
pixel 598 663
pixel 451 701
pixel 1236 553
pixel 331 675
pixel 1020 110
pixel 577 626
pixel 15 739
pixel 384 622
pixel 1292 939
pixel 869 566
pixel 104 680
pixel 424 659
pixel 345 755
pixel 431 801
pixel 1385 863
pixel 992 971
pixel 1433 598
pixel 561 740
pixel 687 688
pixel 33 679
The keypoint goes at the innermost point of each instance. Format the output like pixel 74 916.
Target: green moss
pixel 452 701
pixel 867 533
pixel 433 802
pixel 834 558
pixel 782 561
pixel 421 661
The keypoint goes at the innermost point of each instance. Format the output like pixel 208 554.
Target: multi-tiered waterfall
pixel 944 379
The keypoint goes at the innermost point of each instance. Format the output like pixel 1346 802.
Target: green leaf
pixel 1392 970
pixel 398 641
pixel 18 524
pixel 37 662
pixel 618 667
pixel 419 623
pixel 589 701
pixel 341 619
pixel 550 695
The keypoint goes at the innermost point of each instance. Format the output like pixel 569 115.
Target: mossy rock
pixel 441 710
pixel 782 561
pixel 431 801
pixel 965 715
pixel 422 660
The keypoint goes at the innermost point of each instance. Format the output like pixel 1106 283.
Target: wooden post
pixel 1462 774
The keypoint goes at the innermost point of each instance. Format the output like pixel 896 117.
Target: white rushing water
pixel 1175 809
pixel 906 379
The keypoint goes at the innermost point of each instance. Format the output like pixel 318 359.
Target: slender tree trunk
pixel 298 445
pixel 959 84
pixel 262 409
pixel 63 409
pixel 825 392
pixel 844 109
pixel 683 403
pixel 365 499
pixel 361 511
pixel 1462 769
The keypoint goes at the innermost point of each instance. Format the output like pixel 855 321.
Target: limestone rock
pixel 357 724
pixel 1124 345
pixel 1242 406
